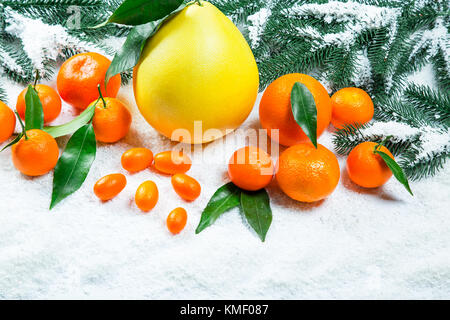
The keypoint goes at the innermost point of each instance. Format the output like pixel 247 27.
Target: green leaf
pixel 129 54
pixel 34 114
pixel 19 136
pixel 16 139
pixel 136 12
pixel 225 198
pixel 74 164
pixel 305 111
pixel 396 170
pixel 257 211
pixel 72 126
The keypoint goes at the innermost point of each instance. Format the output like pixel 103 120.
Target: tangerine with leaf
pixel 111 120
pixel 50 100
pixel 36 153
pixel 275 109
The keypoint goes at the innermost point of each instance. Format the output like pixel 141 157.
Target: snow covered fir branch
pixel 371 44
pixel 36 34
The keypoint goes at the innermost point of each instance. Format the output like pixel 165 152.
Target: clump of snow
pixel 398 130
pixel 433 141
pixel 434 40
pixel 363 73
pixel 356 16
pixel 258 22
pixel 10 63
pixel 42 42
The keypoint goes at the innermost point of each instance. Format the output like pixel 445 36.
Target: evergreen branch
pixel 417 166
pixel 436 105
pixel 398 109
pixel 441 69
pixel 3 97
pixel 350 136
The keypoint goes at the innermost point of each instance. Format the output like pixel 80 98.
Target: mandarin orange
pixel 275 112
pixel 307 174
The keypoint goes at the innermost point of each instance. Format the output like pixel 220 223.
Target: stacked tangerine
pixel 303 172
pixel 79 78
pixel 81 84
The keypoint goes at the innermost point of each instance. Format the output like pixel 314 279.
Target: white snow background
pixel 358 243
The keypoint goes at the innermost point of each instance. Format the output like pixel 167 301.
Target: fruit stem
pixel 199 3
pixel 36 79
pixel 101 97
pixel 382 143
pixel 24 132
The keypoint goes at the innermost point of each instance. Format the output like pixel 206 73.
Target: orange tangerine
pixel 275 112
pixel 36 153
pixel 307 174
pixel 79 77
pixel 111 121
pixel 50 100
pixel 250 168
pixel 366 168
pixel 351 106
pixel 8 122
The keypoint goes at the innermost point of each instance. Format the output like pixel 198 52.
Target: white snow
pixel 434 40
pixel 8 62
pixel 258 22
pixel 358 243
pixel 43 42
pixel 358 17
pixel 399 130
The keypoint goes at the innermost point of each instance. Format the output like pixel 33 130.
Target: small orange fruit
pixel 36 153
pixel 7 121
pixel 111 122
pixel 366 168
pixel 79 77
pixel 146 196
pixel 176 221
pixel 172 162
pixel 307 174
pixel 137 159
pixel 51 102
pixel 250 168
pixel 351 106
pixel 110 186
pixel 186 187
pixel 275 112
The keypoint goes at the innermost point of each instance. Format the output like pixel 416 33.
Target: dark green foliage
pixel 3 95
pixel 349 137
pixel 433 104
pixel 378 57
pixel 56 12
pixel 416 167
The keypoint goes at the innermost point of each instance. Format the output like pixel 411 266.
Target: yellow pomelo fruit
pixel 197 67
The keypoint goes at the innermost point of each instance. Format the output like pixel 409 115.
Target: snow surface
pixel 358 243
